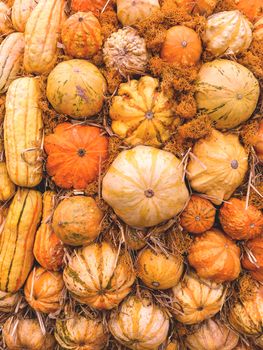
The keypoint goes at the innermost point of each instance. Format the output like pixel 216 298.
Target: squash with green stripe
pixel 17 239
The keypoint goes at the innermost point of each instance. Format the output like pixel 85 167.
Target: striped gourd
pixel 17 239
pixel 5 20
pixel 23 132
pixel 8 301
pixel 48 249
pixel 21 11
pixel 41 36
pixel 11 59
pixel 7 188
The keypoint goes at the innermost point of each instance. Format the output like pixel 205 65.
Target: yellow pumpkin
pixel 8 301
pixel 7 187
pixel 145 186
pixel 218 167
pixel 141 113
pixel 131 12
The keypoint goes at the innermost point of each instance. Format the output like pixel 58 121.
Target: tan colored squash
pixel 6 26
pixel 131 12
pixel 21 11
pixel 8 301
pixel 7 188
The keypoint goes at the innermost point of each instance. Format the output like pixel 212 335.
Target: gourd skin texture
pixel 7 188
pixel 255 248
pixel 252 9
pixel 23 132
pixel 8 301
pixel 144 186
pixel 41 36
pixel 21 11
pixel 6 26
pixel 258 30
pixel 131 12
pixel 17 239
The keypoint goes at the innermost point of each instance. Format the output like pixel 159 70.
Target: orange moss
pixel 253 59
pixel 179 241
pixel 114 79
pixel 196 128
pixel 248 133
pixel 225 5
pixel 109 22
pixel 178 145
pixel 187 107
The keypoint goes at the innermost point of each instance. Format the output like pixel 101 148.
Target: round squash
pixel 8 301
pixel 76 88
pixel 222 92
pixel 141 113
pixel 253 257
pixel 195 300
pixel 6 26
pixel 130 12
pixel 258 30
pixel 139 324
pixel 98 275
pixel 215 257
pixel 81 35
pixel 252 9
pixel 182 46
pixel 77 220
pixel 218 167
pixel 201 7
pixel 240 222
pixel 79 146
pixel 95 6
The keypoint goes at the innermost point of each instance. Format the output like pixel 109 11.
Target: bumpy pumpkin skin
pixel 21 11
pixel 7 187
pixel 201 7
pixel 182 46
pixel 95 6
pixel 81 35
pixel 254 247
pixel 252 9
pixel 195 300
pixel 240 222
pixel 215 257
pixel 8 301
pixel 130 12
pixel 141 114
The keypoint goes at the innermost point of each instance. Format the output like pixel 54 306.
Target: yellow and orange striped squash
pixel 6 26
pixel 17 239
pixel 7 187
pixel 23 132
pixel 21 11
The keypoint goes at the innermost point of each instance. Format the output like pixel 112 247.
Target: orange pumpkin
pixel 252 9
pixel 215 256
pixel 240 222
pixel 253 257
pixel 75 155
pixel 202 7
pixel 198 216
pixel 94 6
pixel 182 46
pixel 257 275
pixel 81 35
pixel 258 141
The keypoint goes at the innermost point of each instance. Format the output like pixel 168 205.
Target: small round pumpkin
pixel 198 216
pixel 76 88
pixel 201 7
pixel 139 324
pixel 75 155
pixel 130 12
pixel 77 220
pixel 240 222
pixel 252 9
pixel 8 301
pixel 253 257
pixel 182 46
pixel 215 257
pixel 195 300
pixel 258 33
pixel 95 6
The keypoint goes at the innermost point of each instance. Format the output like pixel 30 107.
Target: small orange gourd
pixel 94 6
pixel 253 257
pixel 252 9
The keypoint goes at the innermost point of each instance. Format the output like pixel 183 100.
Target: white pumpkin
pixel 145 186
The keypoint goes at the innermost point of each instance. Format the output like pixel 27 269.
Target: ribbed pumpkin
pixel 145 186
pixel 253 256
pixel 6 26
pixel 218 167
pixel 252 9
pixel 258 30
pixel 131 12
pixel 77 220
pixel 8 301
pixel 79 146
pixel 81 333
pixel 195 300
pixel 48 248
pixel 198 216
pixel 182 46
pixel 94 6
pixel 258 142
pixel 239 221
pixel 141 113
pixel 158 270
pixel 99 276
pixel 81 35
pixel 21 11
pixel 212 335
pixel 11 59
pixel 202 7
pixel 222 92
pixel 7 188
pixel 76 88
pixel 139 324
pixel 215 257
pixel 41 36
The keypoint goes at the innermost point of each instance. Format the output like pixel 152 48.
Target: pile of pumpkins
pixel 67 280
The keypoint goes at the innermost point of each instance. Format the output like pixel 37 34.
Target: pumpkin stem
pixel 81 152
pixel 149 115
pixel 149 193
pixel 80 19
pixel 234 164
pixel 184 43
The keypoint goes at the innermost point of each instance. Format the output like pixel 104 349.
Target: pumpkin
pixel 139 324
pixel 239 221
pixel 11 59
pixel 198 216
pixel 76 88
pixel 135 58
pixel 252 9
pixel 159 270
pixel 242 346
pixel 182 46
pixel 258 30
pixel 26 334
pixel 8 301
pixel 202 7
pixel 77 220
pixel 212 335
pixel 78 332
pixel 81 35
pixel 21 11
pixel 41 36
pixel 48 248
pixel 80 146
pixel 99 276
pixel 7 188
pixel 130 12
pixel 222 92
pixel 215 257
pixel 6 26
pixel 218 166
pixel 195 300
pixel 258 141
pixel 95 6
pixel 253 257
pixel 141 113
pixel 145 186
pixel 257 274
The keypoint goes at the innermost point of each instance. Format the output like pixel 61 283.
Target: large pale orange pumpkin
pixel 182 46
pixel 202 7
pixel 94 6
pixel 75 155
pixel 131 12
pixel 252 9
pixel 253 256
pixel 215 256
